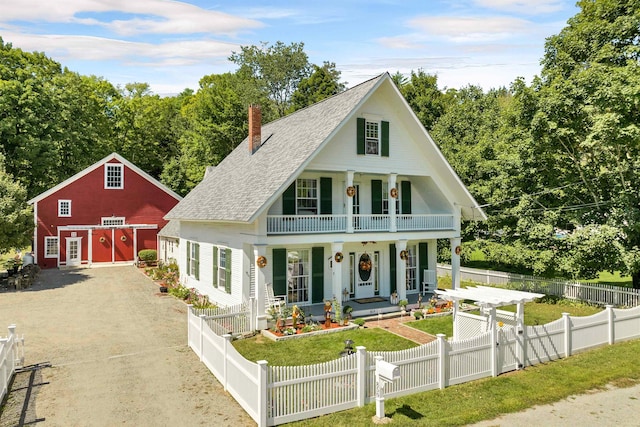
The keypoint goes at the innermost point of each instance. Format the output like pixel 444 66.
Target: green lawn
pixel 318 349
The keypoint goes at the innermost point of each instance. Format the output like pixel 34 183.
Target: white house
pixel 345 198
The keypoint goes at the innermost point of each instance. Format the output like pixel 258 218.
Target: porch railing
pixel 299 224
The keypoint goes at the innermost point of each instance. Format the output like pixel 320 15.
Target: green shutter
pixel 289 200
pixel 215 267
pixel 196 267
pixel 360 135
pixel 227 282
pixel 405 187
pixel 279 271
pixel 326 199
pixel 317 274
pixel 423 261
pixel 385 139
pixel 392 268
pixel 188 258
pixel 376 196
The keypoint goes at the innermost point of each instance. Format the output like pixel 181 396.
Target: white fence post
pixel 442 360
pixel 201 338
pixel 189 314
pixel 361 363
pixel 262 393
pixel 227 343
pixel 567 334
pixel 611 325
pixel 13 340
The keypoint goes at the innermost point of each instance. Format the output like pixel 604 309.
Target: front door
pixel 364 270
pixel 74 249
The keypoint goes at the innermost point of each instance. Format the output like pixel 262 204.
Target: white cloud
pixel 152 16
pixel 470 29
pixel 527 7
pixel 96 48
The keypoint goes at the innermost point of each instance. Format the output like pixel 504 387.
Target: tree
pixel 16 220
pixel 422 93
pixel 278 69
pixel 586 127
pixel 323 83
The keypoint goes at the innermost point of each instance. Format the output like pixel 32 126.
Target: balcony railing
pixel 304 224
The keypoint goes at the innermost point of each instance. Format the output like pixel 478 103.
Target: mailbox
pixel 387 371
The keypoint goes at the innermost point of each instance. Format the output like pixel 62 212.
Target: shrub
pixel 148 255
pixel 358 321
pixel 417 314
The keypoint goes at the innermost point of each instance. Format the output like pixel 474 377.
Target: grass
pixel 614 279
pixel 317 349
pixel 488 398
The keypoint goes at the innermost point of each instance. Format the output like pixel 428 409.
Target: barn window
pixel 50 247
pixel 113 176
pixel 112 220
pixel 64 208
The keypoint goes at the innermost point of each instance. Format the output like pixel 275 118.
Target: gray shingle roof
pixel 243 183
pixel 172 229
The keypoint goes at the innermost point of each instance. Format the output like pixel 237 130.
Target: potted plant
pixel 403 305
pixel 347 310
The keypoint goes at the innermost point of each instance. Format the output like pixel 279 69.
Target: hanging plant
pixel 261 261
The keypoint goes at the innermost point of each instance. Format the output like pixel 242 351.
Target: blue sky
pixel 172 44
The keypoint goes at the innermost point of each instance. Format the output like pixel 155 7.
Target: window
pixel 412 282
pixel 372 137
pixel 50 247
pixel 113 176
pixel 112 220
pixel 64 208
pixel 385 200
pixel 193 260
pixel 307 196
pixel 298 270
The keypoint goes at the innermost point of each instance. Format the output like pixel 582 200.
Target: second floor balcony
pixel 307 224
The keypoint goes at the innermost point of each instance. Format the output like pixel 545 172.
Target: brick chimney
pixel 255 126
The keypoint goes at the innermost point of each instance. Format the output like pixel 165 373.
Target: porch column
pixel 336 270
pixel 350 175
pixel 401 270
pixel 261 275
pixel 455 262
pixel 393 203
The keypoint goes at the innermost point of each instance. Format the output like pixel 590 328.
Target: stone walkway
pixel 396 325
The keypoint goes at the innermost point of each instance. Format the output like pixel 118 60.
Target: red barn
pixel 106 213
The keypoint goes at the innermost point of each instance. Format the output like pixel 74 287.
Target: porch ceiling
pixel 488 297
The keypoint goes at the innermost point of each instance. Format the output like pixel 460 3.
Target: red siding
pixel 140 202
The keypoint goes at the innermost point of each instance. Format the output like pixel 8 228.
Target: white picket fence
pixel 11 358
pixel 273 395
pixel 234 320
pixel 591 292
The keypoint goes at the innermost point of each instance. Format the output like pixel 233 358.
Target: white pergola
pixel 488 299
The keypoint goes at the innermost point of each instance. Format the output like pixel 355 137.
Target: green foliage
pixel 417 314
pixel 148 255
pixel 323 83
pixel 278 69
pixel 359 321
pixel 16 217
pixel 422 93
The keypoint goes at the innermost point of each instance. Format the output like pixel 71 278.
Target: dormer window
pixel 113 176
pixel 372 137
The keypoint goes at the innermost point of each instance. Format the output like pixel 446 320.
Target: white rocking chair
pixel 272 301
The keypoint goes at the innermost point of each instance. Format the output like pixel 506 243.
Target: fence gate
pixel 509 349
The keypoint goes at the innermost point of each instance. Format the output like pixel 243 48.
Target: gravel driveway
pixel 118 354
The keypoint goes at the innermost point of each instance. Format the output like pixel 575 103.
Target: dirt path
pixel 396 326
pixel 118 354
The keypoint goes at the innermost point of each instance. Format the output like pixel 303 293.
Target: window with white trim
pixel 112 220
pixel 193 259
pixel 222 268
pixel 372 137
pixel 64 208
pixel 307 196
pixel 299 268
pixel 412 270
pixel 113 176
pixel 50 247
